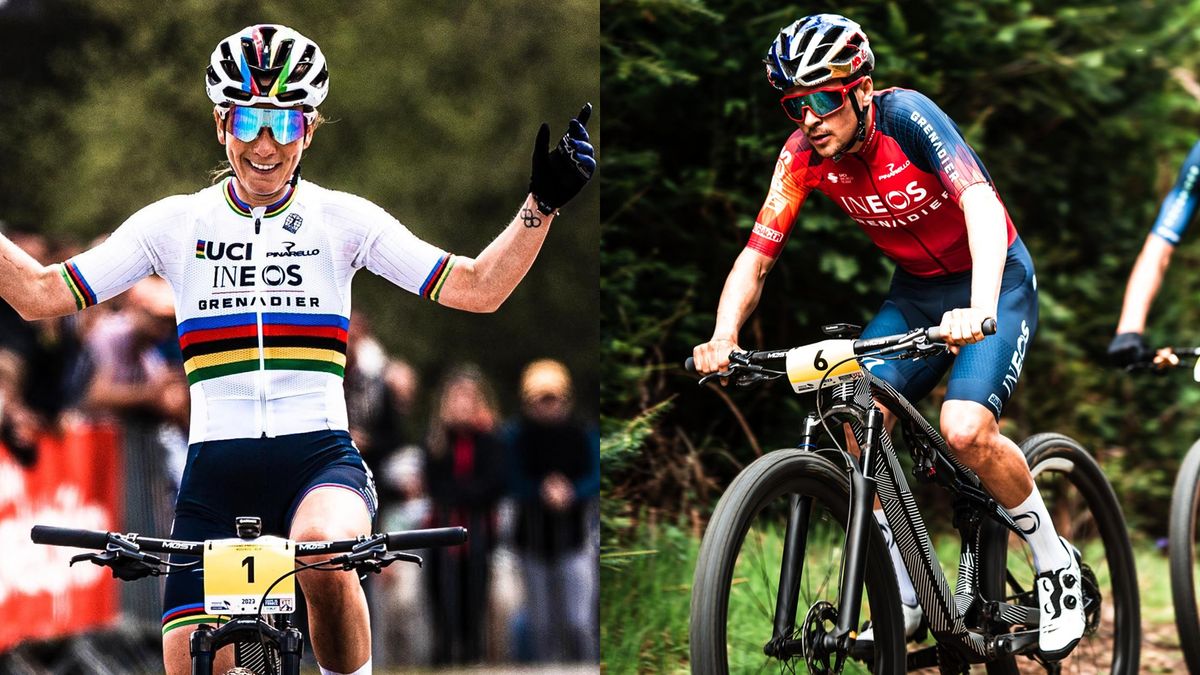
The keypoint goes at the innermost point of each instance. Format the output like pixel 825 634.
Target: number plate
pixel 238 571
pixel 808 364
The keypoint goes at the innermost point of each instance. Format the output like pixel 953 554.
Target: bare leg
pixel 338 620
pixel 177 656
pixel 974 436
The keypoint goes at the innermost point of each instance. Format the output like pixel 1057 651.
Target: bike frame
pixel 877 472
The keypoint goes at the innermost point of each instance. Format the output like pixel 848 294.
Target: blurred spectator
pixel 375 425
pixel 465 477
pixel 135 384
pixel 400 614
pixel 555 467
pixel 131 377
pixel 50 348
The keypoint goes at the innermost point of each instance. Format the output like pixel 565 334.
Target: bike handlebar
pixel 395 541
pixel 65 536
pixel 932 334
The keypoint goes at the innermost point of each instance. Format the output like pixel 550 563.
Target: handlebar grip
pixel 441 536
pixel 689 365
pixel 988 327
pixel 65 536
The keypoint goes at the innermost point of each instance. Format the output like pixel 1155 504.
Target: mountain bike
pixel 1182 535
pixel 792 560
pixel 248 579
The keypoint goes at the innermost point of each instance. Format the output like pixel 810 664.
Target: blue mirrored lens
pixel 286 125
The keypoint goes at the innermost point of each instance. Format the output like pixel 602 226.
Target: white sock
pixel 364 670
pixel 908 594
pixel 1033 520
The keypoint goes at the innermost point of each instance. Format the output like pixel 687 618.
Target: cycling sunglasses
pixel 285 124
pixel 822 102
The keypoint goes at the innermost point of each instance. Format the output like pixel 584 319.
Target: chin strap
pixel 860 132
pixel 296 173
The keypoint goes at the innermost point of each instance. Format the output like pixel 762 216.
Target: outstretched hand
pixel 559 174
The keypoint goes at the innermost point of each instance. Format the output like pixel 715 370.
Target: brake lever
pixel 710 376
pixel 125 564
pixel 371 560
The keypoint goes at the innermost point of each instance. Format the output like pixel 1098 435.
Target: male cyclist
pixel 260 265
pixel 898 166
pixel 1128 346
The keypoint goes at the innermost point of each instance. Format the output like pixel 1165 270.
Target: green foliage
pixel 433 109
pixel 1071 106
pixel 644 603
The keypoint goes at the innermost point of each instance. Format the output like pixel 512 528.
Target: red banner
pixel 74 483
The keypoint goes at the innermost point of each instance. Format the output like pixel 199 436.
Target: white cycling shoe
pixel 912 621
pixel 1061 624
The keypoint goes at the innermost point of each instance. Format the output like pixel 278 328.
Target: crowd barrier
pixel 76 481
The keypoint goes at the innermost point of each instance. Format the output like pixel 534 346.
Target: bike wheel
pixel 1184 539
pixel 734 594
pixel 1085 511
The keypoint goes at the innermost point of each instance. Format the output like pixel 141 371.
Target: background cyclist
pixel 898 166
pixel 1128 346
pixel 260 265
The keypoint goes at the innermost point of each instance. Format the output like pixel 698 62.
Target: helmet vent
pixel 805 39
pixel 285 50
pixel 303 65
pixel 236 94
pixel 321 77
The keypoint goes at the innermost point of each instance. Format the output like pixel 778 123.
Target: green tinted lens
pixel 820 102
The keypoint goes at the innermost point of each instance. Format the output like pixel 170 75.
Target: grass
pixel 645 598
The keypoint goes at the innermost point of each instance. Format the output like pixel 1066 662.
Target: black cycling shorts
pixel 264 477
pixel 985 372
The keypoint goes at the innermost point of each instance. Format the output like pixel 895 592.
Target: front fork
pixel 862 496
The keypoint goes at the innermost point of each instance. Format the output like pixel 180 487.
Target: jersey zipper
pixel 260 413
pixel 907 231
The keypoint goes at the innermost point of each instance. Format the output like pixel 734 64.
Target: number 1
pixel 248 563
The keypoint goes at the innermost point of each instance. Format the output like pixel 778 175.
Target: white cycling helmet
pixel 816 49
pixel 267 63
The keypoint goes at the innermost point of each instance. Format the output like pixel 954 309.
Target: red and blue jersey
pixel 902 187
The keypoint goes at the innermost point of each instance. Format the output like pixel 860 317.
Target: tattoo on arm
pixel 529 218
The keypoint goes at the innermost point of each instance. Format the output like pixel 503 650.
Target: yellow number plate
pixel 808 364
pixel 238 571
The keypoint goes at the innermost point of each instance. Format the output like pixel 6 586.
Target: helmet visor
pixel 822 102
pixel 285 124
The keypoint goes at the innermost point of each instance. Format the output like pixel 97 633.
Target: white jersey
pixel 262 297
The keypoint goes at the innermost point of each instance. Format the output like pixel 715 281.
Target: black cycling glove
pixel 558 175
pixel 1127 349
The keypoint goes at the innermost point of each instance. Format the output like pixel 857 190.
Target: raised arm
pixel 483 283
pixel 35 290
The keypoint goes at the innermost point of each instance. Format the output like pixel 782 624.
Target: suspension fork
pixel 795 537
pixel 862 497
